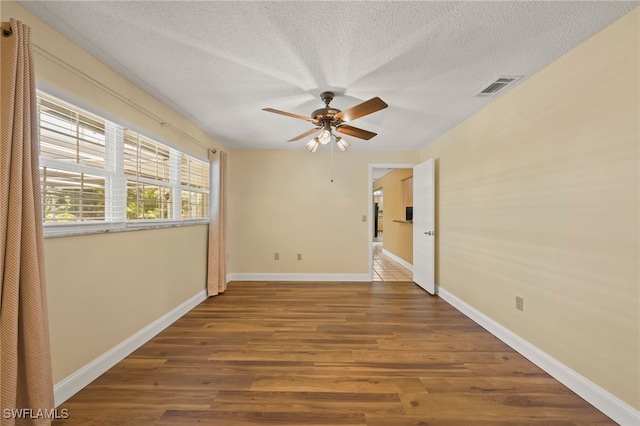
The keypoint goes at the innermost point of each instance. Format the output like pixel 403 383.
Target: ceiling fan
pixel 327 118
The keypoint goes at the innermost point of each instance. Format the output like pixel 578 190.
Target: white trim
pixel 66 388
pixel 397 259
pixel 72 167
pixel 297 277
pixel 611 406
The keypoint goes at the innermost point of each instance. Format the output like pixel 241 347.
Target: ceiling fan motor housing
pixel 324 114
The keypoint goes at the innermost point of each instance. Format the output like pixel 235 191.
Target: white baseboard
pixel 611 406
pixel 397 259
pixel 298 277
pixel 81 378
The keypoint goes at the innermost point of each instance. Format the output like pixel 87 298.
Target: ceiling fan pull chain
pixel 332 160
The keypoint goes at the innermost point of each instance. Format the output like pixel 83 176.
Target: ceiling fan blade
pixel 297 138
pixel 289 114
pixel 360 110
pixel 355 132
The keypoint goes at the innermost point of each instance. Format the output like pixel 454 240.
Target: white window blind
pixel 149 168
pixel 69 196
pixel 95 171
pixel 146 158
pixel 194 181
pixel 71 135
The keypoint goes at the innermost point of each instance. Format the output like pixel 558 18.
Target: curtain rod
pixel 163 123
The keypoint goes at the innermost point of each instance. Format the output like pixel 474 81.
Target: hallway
pixel 386 269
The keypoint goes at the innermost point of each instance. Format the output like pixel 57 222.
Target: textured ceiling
pixel 220 63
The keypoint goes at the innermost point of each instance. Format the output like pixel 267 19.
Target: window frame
pixel 116 179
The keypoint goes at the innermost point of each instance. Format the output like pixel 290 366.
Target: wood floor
pixel 383 354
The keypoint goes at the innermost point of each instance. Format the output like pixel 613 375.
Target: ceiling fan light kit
pixel 325 137
pixel 327 119
pixel 343 145
pixel 313 144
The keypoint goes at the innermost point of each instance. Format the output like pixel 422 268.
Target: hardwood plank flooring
pixel 376 354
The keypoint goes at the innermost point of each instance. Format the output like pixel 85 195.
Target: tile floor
pixel 386 269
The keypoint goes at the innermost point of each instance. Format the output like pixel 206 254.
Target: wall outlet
pixel 276 256
pixel 299 256
pixel 364 217
pixel 519 303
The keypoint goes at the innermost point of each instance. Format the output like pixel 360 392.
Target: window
pixel 95 172
pixel 70 136
pixel 194 184
pixel 72 196
pixel 147 166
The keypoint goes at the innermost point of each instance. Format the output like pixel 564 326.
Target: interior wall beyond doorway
pixel 398 234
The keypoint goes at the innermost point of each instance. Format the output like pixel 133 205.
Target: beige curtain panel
pixel 25 360
pixel 216 270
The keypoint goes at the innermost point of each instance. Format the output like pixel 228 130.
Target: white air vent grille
pixel 498 85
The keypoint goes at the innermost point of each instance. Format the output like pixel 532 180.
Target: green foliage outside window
pixel 148 202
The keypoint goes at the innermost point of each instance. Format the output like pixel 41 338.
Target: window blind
pixel 93 170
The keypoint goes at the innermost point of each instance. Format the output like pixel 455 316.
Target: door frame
pixel 370 204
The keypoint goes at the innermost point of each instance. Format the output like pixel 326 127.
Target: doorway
pixel 384 265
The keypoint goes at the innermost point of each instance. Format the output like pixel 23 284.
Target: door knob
pixel 430 233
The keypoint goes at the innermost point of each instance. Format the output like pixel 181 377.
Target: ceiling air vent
pixel 499 85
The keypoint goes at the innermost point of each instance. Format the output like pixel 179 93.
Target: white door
pixel 424 225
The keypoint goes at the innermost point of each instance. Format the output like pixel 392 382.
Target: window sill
pixel 67 230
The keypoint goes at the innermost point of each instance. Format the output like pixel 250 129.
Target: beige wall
pixel 284 201
pixel 538 197
pixel 104 288
pixel 397 237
